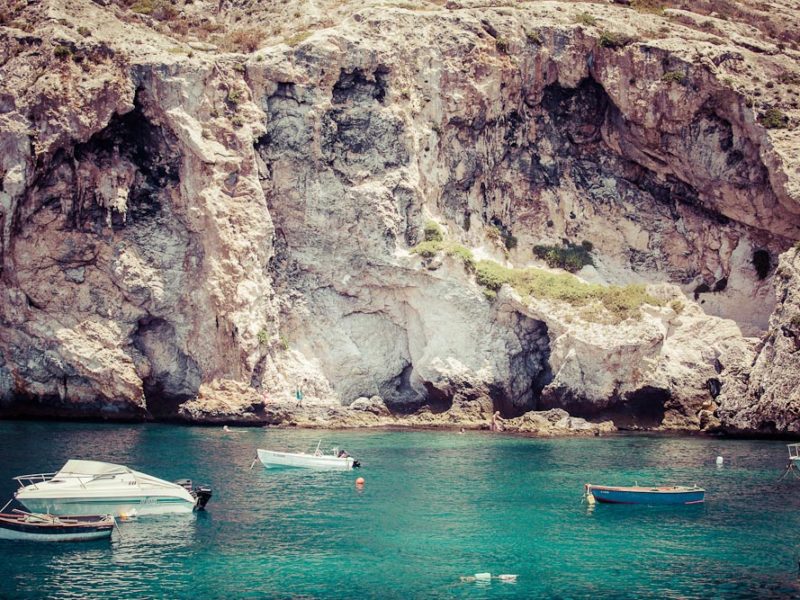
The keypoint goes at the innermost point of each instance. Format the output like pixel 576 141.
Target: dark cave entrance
pixel 174 376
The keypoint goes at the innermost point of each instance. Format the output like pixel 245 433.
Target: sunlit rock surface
pixel 203 226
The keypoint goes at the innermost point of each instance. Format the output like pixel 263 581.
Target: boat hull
pixel 118 507
pixel 287 460
pixel 13 527
pixel 651 496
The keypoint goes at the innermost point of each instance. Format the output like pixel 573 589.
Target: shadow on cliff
pixel 641 409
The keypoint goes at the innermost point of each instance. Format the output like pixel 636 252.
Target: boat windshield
pixel 794 451
pixel 91 468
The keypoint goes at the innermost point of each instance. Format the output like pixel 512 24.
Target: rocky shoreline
pixel 364 413
pixel 372 413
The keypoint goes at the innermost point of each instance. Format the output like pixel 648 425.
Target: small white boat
pixel 87 487
pixel 794 454
pixel 50 528
pixel 337 461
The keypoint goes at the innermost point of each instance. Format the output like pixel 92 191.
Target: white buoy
pixel 720 460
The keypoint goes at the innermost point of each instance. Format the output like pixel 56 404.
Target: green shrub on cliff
pixel 673 77
pixel 612 39
pixel 462 252
pixel 62 52
pixel 585 18
pixel 297 38
pixel 774 119
pixel 534 37
pixel 163 10
pixel 677 306
pixel 234 97
pixel 491 275
pixel 432 232
pixel 431 248
pixel 570 257
pixel 427 249
pixel 620 302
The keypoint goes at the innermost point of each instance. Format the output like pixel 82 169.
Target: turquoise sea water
pixel 435 507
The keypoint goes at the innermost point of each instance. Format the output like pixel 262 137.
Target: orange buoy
pixel 360 481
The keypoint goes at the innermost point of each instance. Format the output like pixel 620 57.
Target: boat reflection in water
pixel 138 557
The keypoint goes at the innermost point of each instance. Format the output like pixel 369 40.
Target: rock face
pixel 203 235
pixel 767 397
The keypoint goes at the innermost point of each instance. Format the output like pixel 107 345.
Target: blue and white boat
pixel 658 495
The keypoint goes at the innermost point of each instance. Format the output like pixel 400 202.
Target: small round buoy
pixel 360 481
pixel 720 460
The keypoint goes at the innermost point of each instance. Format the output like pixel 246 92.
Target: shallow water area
pixel 436 507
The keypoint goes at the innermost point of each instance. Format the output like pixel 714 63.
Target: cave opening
pixel 357 86
pixel 149 148
pixel 762 263
pixel 529 368
pixel 127 166
pixel 174 377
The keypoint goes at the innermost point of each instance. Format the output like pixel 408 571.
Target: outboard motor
pixel 356 464
pixel 201 492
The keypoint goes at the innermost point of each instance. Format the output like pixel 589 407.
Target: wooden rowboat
pixel 51 528
pixel 658 495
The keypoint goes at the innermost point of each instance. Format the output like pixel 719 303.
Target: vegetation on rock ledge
pixel 774 119
pixel 600 303
pixel 620 302
pixel 570 257
pixel 433 232
pixel 431 248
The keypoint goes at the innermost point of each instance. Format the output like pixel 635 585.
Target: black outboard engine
pixel 201 492
pixel 356 464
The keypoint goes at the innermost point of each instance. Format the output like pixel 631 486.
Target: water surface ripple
pixel 435 507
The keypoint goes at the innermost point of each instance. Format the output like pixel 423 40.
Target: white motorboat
pixel 337 461
pixel 87 487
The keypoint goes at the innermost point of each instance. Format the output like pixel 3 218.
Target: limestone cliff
pixel 206 207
